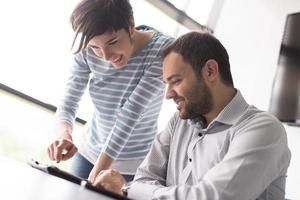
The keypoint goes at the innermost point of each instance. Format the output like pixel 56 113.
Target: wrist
pixel 66 135
pixel 103 162
pixel 125 188
pixel 64 131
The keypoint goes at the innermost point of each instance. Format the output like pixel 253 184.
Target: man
pixel 217 146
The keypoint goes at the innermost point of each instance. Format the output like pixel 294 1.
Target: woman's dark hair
pixel 197 48
pixel 95 17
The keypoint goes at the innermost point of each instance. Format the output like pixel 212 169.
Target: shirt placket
pixel 197 136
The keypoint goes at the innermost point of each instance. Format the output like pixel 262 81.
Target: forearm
pixel 64 130
pixel 149 190
pixel 139 190
pixel 151 174
pixel 74 89
pixel 103 162
pixel 133 111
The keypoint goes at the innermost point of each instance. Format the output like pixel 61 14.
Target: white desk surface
pixel 19 181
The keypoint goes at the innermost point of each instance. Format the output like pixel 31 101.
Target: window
pixel 199 10
pixel 35 50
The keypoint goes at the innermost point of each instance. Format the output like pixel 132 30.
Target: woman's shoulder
pixel 158 36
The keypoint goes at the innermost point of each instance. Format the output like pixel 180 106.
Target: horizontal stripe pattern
pixel 127 101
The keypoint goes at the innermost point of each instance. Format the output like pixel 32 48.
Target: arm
pixel 63 147
pixel 257 155
pixel 103 162
pixel 148 88
pixel 150 175
pixel 75 87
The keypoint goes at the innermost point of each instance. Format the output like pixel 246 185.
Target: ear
pixel 131 26
pixel 211 70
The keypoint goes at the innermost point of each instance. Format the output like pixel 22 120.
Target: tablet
pixel 55 171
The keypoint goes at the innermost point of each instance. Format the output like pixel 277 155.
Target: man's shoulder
pixel 253 113
pixel 259 120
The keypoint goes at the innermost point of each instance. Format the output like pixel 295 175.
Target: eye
pixel 176 81
pixel 112 42
pixel 93 47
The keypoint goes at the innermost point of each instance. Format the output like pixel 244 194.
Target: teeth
pixel 117 59
pixel 179 105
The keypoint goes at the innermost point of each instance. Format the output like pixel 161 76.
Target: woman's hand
pixel 62 148
pixel 103 162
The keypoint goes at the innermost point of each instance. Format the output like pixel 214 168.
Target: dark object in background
pixel 285 98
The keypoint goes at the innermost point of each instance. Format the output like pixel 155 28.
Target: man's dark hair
pixel 197 48
pixel 95 17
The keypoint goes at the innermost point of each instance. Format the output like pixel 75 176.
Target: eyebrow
pixel 172 76
pixel 107 42
pixel 92 46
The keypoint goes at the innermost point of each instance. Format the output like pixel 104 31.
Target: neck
pixel 140 38
pixel 221 98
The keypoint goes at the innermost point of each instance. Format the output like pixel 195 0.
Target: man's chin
pixel 183 115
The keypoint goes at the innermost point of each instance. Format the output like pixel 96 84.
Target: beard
pixel 197 101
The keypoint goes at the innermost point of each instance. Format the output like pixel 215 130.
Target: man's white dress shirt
pixel 241 155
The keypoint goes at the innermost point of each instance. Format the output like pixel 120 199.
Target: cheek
pixel 184 90
pixel 192 93
pixel 97 52
pixel 126 48
pixel 120 49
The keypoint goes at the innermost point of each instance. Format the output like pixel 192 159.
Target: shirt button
pixel 190 159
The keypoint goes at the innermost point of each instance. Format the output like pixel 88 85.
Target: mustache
pixel 177 98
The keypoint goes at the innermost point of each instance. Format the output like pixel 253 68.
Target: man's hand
pixel 110 180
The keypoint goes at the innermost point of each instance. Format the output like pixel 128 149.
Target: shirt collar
pixel 234 110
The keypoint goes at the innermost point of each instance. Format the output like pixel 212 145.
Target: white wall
pixel 251 30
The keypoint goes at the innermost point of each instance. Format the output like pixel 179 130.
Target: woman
pixel 123 67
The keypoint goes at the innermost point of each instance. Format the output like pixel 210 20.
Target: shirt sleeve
pixel 258 154
pixel 75 87
pixel 151 174
pixel 149 87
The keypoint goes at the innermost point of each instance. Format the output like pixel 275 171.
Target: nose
pixel 170 93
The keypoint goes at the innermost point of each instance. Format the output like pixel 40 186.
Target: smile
pixel 116 60
pixel 179 103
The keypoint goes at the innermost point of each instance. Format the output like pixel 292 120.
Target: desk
pixel 19 181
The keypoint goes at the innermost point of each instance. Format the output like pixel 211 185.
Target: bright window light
pixel 36 56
